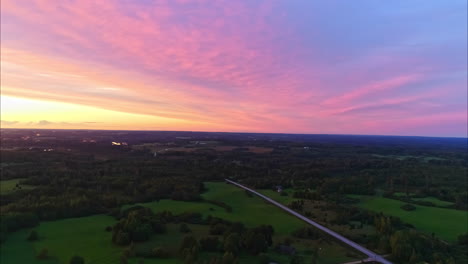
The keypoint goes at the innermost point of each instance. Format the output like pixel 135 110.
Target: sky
pixel 319 67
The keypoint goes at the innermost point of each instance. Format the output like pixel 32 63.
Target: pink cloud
pixel 372 88
pixel 235 64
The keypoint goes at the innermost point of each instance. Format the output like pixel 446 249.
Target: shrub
pixel 183 228
pixel 463 239
pixel 43 254
pixel 264 258
pixel 33 236
pixel 160 252
pixel 77 260
pixel 210 243
pixel 408 207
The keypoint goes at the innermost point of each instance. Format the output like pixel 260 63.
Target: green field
pixel 17 250
pixel 86 236
pixel 447 224
pixel 9 186
pixel 252 211
pixel 433 200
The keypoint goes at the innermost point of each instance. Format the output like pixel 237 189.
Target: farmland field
pixel 447 224
pixel 84 236
pixel 433 200
pixel 18 250
pixel 9 186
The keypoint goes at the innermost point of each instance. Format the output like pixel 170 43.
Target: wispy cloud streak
pixel 274 66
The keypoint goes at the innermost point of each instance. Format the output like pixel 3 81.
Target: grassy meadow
pixel 9 186
pixel 434 200
pixel 252 211
pixel 446 223
pixel 84 236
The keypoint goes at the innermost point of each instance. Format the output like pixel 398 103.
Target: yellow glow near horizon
pixel 19 112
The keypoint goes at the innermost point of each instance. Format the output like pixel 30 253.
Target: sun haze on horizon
pixel 367 67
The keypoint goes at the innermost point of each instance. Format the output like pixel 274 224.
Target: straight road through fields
pixel 372 255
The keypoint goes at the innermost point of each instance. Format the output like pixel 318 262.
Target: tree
pixel 160 252
pixel 210 243
pixel 142 232
pixel 77 260
pixel 232 243
pixel 255 242
pixel 190 255
pixel 400 245
pixel 184 228
pixel 296 260
pixel 121 238
pixel 315 254
pixel 228 258
pixel 43 254
pixel 463 239
pixel 215 260
pixel 264 258
pixel 384 244
pixel 415 258
pixel 123 259
pixel 33 236
pixel 189 249
pixel 188 242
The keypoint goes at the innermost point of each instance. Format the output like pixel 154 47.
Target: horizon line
pixel 232 132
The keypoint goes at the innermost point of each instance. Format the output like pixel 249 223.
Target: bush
pixel 424 203
pixel 33 236
pixel 463 239
pixel 160 252
pixel 77 260
pixel 218 229
pixel 210 243
pixel 306 233
pixel 408 207
pixel 226 207
pixel 183 228
pixel 43 254
pixel 264 258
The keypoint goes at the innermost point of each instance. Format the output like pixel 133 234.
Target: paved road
pixel 372 255
pixel 360 261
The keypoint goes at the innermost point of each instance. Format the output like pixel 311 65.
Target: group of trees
pixel 409 246
pixel 138 224
pixel 12 222
pixel 235 239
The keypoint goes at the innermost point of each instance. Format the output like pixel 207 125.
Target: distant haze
pixel 335 67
